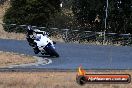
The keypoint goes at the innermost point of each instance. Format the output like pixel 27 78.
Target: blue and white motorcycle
pixel 40 42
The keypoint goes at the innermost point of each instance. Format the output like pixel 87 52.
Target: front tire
pixel 52 52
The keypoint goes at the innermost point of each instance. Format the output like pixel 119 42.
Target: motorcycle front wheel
pixel 52 52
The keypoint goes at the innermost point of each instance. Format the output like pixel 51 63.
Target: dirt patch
pixel 52 80
pixel 7 59
pixel 11 35
pixel 4 34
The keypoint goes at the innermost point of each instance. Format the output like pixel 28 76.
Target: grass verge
pixel 52 80
pixel 7 59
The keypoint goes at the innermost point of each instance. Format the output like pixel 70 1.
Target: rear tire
pixel 36 50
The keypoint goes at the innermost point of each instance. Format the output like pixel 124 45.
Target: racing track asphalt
pixel 74 55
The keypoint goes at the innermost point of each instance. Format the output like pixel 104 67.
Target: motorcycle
pixel 40 42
